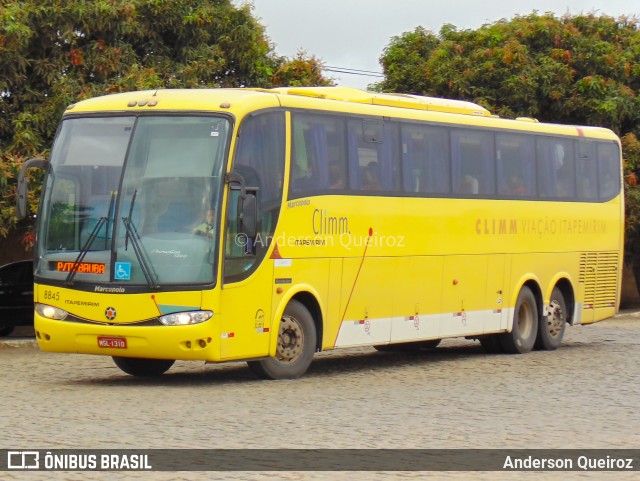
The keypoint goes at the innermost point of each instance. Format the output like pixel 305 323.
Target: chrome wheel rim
pixel 290 340
pixel 555 319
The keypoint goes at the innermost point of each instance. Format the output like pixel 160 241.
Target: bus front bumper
pixel 191 342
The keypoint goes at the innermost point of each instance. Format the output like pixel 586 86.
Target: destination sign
pixel 83 267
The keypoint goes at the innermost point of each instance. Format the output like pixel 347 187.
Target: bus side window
pixel 318 154
pixel 473 162
pixel 373 155
pixel 426 163
pixel 556 162
pixel 65 200
pixel 259 159
pixel 586 171
pixel 608 170
pixel 515 165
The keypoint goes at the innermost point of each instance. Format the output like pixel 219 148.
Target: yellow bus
pixel 266 225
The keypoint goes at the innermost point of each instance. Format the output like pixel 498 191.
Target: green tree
pixel 302 70
pixel 581 69
pixel 55 53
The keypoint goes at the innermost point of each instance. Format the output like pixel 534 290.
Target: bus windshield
pixel 133 200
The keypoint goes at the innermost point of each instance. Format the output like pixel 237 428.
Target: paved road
pixel 585 395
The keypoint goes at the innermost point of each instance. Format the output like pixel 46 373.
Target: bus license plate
pixel 112 342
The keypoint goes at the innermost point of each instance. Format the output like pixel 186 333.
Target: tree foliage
pixel 54 53
pixel 576 69
pixel 302 70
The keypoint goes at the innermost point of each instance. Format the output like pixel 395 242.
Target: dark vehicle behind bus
pixel 16 296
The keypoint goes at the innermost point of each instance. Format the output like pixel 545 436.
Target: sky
pixel 352 34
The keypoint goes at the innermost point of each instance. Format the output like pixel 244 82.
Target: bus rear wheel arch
pixel 143 367
pixel 524 331
pixel 296 345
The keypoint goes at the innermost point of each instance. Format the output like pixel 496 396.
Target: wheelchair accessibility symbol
pixel 122 271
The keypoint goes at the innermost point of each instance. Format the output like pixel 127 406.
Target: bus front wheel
pixel 295 348
pixel 522 337
pixel 551 329
pixel 143 367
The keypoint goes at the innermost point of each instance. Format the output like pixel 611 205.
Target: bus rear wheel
pixel 143 367
pixel 523 335
pixel 551 330
pixel 295 348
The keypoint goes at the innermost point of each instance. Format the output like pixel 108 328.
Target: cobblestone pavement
pixel 584 395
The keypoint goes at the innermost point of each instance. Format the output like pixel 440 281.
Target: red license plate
pixel 112 342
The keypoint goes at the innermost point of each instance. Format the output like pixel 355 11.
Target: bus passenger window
pixel 318 157
pixel 473 162
pixel 608 170
pixel 515 165
pixel 373 155
pixel 586 171
pixel 556 162
pixel 425 159
pixel 259 159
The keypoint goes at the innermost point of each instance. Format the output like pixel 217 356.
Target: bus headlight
pixel 185 318
pixel 51 312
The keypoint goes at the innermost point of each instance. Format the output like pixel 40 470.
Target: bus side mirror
pixel 247 212
pixel 21 197
pixel 248 215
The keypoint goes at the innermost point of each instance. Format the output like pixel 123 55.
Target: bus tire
pixel 296 345
pixel 143 367
pixel 523 335
pixel 551 329
pixel 491 343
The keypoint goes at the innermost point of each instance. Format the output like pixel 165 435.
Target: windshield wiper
pixel 133 201
pixel 132 234
pixel 87 245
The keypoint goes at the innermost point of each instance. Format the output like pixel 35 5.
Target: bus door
pixel 245 307
pixel 246 295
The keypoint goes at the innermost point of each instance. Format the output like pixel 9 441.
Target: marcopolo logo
pixel 110 313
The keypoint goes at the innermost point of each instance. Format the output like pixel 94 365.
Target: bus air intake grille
pixel 599 273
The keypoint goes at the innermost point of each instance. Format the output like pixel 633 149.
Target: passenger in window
pixel 558 157
pixel 302 179
pixel 370 177
pixel 470 185
pixel 207 226
pixel 515 186
pixel 336 177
